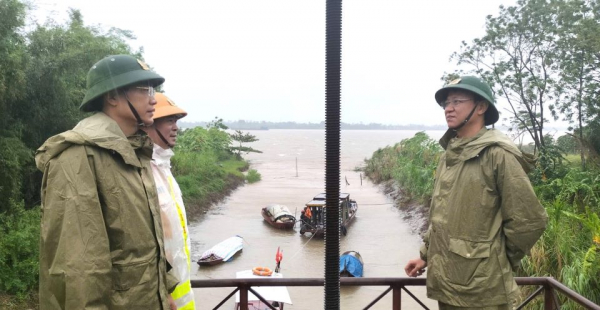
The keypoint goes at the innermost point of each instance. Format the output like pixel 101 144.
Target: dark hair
pixel 478 98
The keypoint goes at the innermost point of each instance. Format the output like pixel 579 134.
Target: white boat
pixel 222 252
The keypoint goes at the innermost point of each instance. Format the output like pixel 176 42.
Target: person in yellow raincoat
pixel 163 133
pixel 484 216
pixel 101 243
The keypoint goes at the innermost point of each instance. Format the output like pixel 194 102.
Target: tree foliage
pixel 42 81
pixel 203 140
pixel 542 57
pixel 241 137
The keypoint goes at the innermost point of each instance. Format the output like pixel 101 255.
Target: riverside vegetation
pixel 569 250
pixel 43 70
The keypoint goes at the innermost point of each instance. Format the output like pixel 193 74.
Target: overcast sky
pixel 265 60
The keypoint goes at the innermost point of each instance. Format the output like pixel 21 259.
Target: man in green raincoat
pixel 484 215
pixel 101 241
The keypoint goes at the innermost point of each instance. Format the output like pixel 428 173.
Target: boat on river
pixel 278 216
pixel 222 252
pixel 351 264
pixel 312 218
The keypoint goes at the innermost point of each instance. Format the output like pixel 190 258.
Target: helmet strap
pixel 140 123
pixel 163 138
pixel 463 123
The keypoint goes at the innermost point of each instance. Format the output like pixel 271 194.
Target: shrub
pixel 19 249
pixel 411 163
pixel 253 176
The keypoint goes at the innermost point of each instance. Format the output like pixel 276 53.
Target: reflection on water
pixel 380 235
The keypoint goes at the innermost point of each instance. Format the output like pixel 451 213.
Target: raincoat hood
pixel 467 148
pixel 97 130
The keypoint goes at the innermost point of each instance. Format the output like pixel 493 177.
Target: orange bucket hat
pixel 166 107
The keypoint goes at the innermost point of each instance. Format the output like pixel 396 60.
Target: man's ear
pixel 111 98
pixel 482 107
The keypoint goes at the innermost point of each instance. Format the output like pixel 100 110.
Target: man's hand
pixel 172 303
pixel 415 267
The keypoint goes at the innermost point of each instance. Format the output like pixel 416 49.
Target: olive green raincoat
pixel 101 236
pixel 484 219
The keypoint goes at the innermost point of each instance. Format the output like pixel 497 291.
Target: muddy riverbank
pixel 415 213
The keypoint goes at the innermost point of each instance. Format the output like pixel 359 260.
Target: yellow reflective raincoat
pixel 484 219
pixel 174 219
pixel 101 241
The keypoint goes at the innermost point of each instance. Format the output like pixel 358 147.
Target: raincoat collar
pixel 102 131
pixel 463 149
pixel 162 157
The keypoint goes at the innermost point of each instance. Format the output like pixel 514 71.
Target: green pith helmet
pixel 114 72
pixel 474 85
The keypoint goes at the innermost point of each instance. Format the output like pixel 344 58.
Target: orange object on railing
pixel 262 271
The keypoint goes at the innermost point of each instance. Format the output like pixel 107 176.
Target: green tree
pixel 567 143
pixel 217 123
pixel 204 140
pixel 13 60
pixel 12 63
pixel 578 47
pixel 517 57
pixel 241 138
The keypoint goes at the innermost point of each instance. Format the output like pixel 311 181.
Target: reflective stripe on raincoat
pixel 101 243
pixel 174 219
pixel 484 219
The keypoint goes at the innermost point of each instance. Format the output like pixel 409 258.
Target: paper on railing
pixel 272 293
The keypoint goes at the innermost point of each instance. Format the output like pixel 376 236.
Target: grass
pixel 235 167
pixel 573 160
pixel 12 302
pixel 253 176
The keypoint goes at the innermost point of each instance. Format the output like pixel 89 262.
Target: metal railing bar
pixel 555 299
pixel 378 298
pixel 248 282
pixel 530 297
pixel 572 294
pixel 306 282
pixel 261 298
pixel 256 282
pixel 226 298
pixel 382 281
pixel 415 298
pixel 531 280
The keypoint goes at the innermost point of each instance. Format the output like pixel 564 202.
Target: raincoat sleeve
pixel 425 245
pixel 75 261
pixel 523 217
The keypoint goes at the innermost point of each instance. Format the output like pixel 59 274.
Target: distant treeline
pixel 264 125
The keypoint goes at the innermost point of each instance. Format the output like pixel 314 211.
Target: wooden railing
pixel 548 286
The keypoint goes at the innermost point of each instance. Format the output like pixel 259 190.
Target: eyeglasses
pixel 149 89
pixel 453 103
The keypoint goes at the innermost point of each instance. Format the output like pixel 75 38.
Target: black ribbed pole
pixel 333 64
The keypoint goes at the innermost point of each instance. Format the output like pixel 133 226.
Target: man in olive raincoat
pixel 101 241
pixel 484 215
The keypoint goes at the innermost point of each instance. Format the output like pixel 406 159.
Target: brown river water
pixel 379 232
